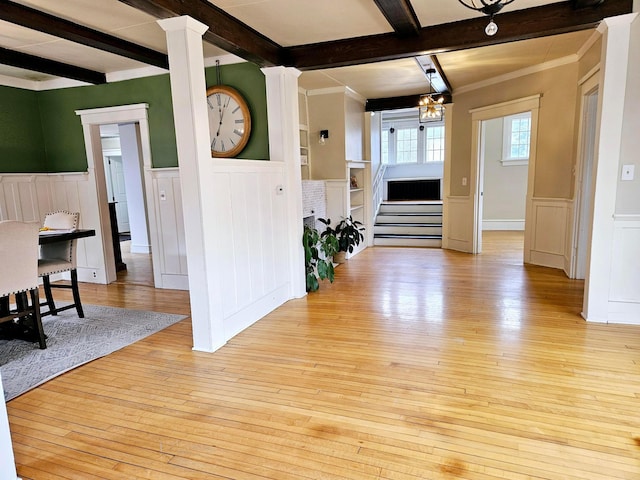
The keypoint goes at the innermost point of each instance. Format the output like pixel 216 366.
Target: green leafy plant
pixel 318 254
pixel 349 234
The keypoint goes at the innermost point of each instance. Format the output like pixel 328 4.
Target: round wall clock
pixel 229 121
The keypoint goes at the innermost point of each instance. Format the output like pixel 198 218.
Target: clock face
pixel 229 121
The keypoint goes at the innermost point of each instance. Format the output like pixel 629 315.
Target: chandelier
pixel 488 7
pixel 430 110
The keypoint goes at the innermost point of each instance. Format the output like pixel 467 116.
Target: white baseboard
pixel 140 248
pixel 503 225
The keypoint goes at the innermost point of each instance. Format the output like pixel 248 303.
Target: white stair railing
pixel 377 190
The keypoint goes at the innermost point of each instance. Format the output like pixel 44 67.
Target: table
pixel 47 238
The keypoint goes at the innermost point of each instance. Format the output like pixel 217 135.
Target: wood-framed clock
pixel 229 121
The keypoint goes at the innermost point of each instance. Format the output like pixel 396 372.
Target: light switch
pixel 464 181
pixel 627 172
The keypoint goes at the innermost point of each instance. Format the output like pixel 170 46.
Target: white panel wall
pixel 29 197
pixel 624 294
pixel 171 254
pixel 458 224
pixel 250 254
pixel 550 217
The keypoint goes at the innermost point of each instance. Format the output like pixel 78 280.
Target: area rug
pixel 73 341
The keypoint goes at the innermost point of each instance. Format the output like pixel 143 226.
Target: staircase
pixel 409 224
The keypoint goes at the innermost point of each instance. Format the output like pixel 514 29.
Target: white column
pixel 613 83
pixel 188 87
pixel 284 146
pixel 7 462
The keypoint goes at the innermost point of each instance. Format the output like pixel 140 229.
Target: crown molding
pixel 518 73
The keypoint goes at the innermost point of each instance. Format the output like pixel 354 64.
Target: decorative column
pixel 616 38
pixel 188 87
pixel 284 146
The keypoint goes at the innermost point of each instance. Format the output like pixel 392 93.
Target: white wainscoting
pixel 624 292
pixel 247 218
pixel 458 223
pixel 28 198
pixel 170 255
pixel 550 220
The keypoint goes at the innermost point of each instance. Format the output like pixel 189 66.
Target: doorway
pixel 135 117
pixel 503 171
pixel 478 117
pixel 584 178
pixel 125 195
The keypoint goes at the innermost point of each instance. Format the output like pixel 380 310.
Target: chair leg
pixel 37 319
pixel 76 293
pixel 47 293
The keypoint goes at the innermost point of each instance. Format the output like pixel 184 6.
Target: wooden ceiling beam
pixel 49 24
pixel 225 31
pixel 51 67
pixel 551 19
pixel 400 15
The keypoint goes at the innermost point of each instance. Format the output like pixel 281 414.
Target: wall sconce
pixel 324 134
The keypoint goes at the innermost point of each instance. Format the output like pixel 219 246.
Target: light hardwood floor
pixel 414 364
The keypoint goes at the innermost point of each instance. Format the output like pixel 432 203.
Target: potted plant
pixel 348 233
pixel 318 254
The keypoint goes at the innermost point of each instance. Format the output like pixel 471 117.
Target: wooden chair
pixel 57 258
pixel 19 263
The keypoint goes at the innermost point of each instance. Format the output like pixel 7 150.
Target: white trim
pixel 343 90
pixel 148 71
pixel 589 74
pixel 503 225
pixel 518 73
pixel 530 103
pixel 626 217
pixel 494 111
pixel 595 36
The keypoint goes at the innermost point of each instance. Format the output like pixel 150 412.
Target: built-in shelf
pixel 356 207
pixel 354 190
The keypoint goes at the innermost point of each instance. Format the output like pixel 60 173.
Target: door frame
pixel 91 120
pixel 589 85
pixel 478 115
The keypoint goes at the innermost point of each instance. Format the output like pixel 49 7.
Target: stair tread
pixel 404 235
pixel 410 214
pixel 426 225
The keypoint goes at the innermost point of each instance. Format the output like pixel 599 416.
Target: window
pixel 516 139
pixel 405 141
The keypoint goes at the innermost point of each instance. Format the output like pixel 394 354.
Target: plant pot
pixel 340 257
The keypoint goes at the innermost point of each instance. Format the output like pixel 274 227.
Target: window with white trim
pixel 516 139
pixel 404 140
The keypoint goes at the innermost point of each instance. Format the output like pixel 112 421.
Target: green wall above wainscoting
pixel 21 141
pixel 40 131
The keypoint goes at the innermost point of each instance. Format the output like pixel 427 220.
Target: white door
pixel 116 190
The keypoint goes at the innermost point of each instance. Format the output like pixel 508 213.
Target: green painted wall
pixel 60 130
pixel 22 145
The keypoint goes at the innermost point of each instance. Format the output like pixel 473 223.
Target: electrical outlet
pixel 94 274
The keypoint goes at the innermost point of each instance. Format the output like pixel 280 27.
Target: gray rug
pixel 72 341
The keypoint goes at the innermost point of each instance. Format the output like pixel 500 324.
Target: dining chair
pixel 19 261
pixel 59 257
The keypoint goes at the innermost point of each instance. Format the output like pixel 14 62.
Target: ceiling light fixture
pixel 488 7
pixel 430 110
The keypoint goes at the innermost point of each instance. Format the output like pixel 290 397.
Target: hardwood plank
pixel 415 363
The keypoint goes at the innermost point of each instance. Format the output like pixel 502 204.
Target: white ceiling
pixel 293 22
